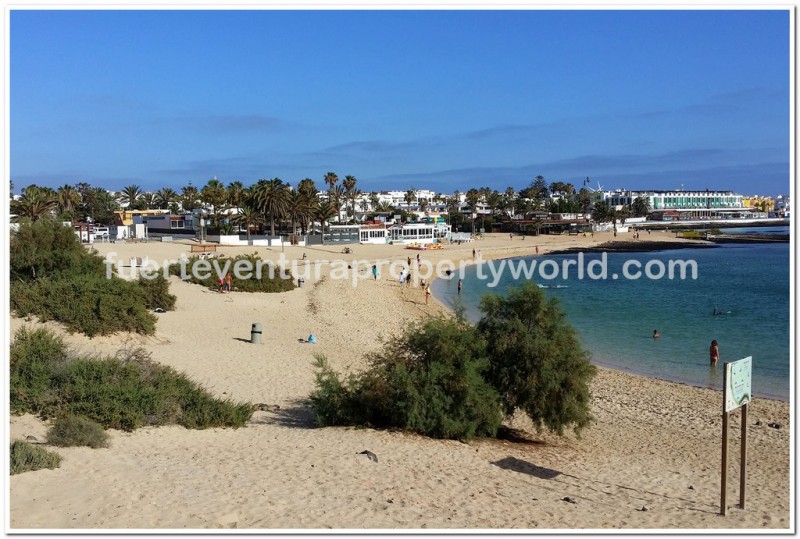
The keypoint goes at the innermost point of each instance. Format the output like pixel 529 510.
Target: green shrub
pixel 690 235
pixel 35 356
pixel 156 293
pixel 54 277
pixel 264 284
pixel 428 380
pixel 88 304
pixel 124 392
pixel 47 248
pixel 537 364
pixel 70 431
pixel 27 457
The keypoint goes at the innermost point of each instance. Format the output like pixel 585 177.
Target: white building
pixel 696 203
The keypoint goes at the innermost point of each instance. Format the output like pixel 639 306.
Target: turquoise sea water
pixel 615 319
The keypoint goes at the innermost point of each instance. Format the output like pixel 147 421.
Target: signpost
pixel 736 392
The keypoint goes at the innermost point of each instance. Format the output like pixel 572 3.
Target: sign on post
pixel 736 392
pixel 737 388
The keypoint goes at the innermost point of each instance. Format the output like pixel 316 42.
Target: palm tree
pixel 189 197
pixel 640 207
pixel 34 203
pixel 297 209
pixel 473 197
pixel 236 194
pixel 165 197
pixel 130 195
pixel 331 179
pixel 323 213
pixel 248 217
pixel 374 200
pixel 423 205
pixel 308 187
pixel 364 205
pixel 148 200
pixel 272 199
pixel 215 195
pixel 351 193
pixel 68 199
pixel 336 197
pixel 409 196
pixel 603 213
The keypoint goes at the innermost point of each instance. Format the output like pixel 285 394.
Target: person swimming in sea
pixel 656 334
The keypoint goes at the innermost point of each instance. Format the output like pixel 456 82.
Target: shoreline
pixel 620 246
pixel 637 246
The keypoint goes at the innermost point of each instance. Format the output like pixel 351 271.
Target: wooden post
pixel 743 458
pixel 723 507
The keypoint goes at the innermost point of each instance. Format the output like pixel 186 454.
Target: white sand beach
pixel 651 460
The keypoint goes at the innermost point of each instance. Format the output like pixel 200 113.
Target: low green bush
pixel 195 268
pixel 124 392
pixel 27 457
pixel 690 235
pixel 88 304
pixel 35 356
pixel 70 431
pixel 445 378
pixel 55 278
pixel 156 293
pixel 428 380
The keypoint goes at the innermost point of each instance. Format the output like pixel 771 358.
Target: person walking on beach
pixel 408 280
pixel 228 282
pixel 537 249
pixel 473 253
pixel 427 293
pixel 409 261
pixel 460 284
pixel 221 285
pixel 375 271
pixel 713 352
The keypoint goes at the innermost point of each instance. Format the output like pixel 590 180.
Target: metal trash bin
pixel 255 334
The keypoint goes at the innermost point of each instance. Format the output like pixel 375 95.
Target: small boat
pixel 552 285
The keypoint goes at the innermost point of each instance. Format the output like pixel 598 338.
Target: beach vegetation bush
pixel 205 274
pixel 156 293
pixel 446 378
pixel 26 457
pixel 690 234
pixel 427 380
pixel 71 431
pixel 123 392
pixel 536 362
pixel 54 277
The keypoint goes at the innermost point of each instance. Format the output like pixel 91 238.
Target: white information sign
pixel 738 387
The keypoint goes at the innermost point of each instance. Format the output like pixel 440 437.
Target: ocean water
pixel 615 319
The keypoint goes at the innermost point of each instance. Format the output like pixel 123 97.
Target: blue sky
pixel 426 99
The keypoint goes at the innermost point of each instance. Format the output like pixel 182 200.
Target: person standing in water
pixel 460 284
pixel 713 352
pixel 656 334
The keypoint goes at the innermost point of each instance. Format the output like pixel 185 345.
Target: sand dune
pixel 654 446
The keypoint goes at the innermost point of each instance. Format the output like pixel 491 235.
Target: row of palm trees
pixel 274 201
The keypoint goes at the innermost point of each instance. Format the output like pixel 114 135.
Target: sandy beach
pixel 651 460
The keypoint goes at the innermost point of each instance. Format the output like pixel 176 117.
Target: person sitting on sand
pixel 656 335
pixel 713 352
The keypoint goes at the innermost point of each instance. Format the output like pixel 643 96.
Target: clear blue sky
pixel 427 99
